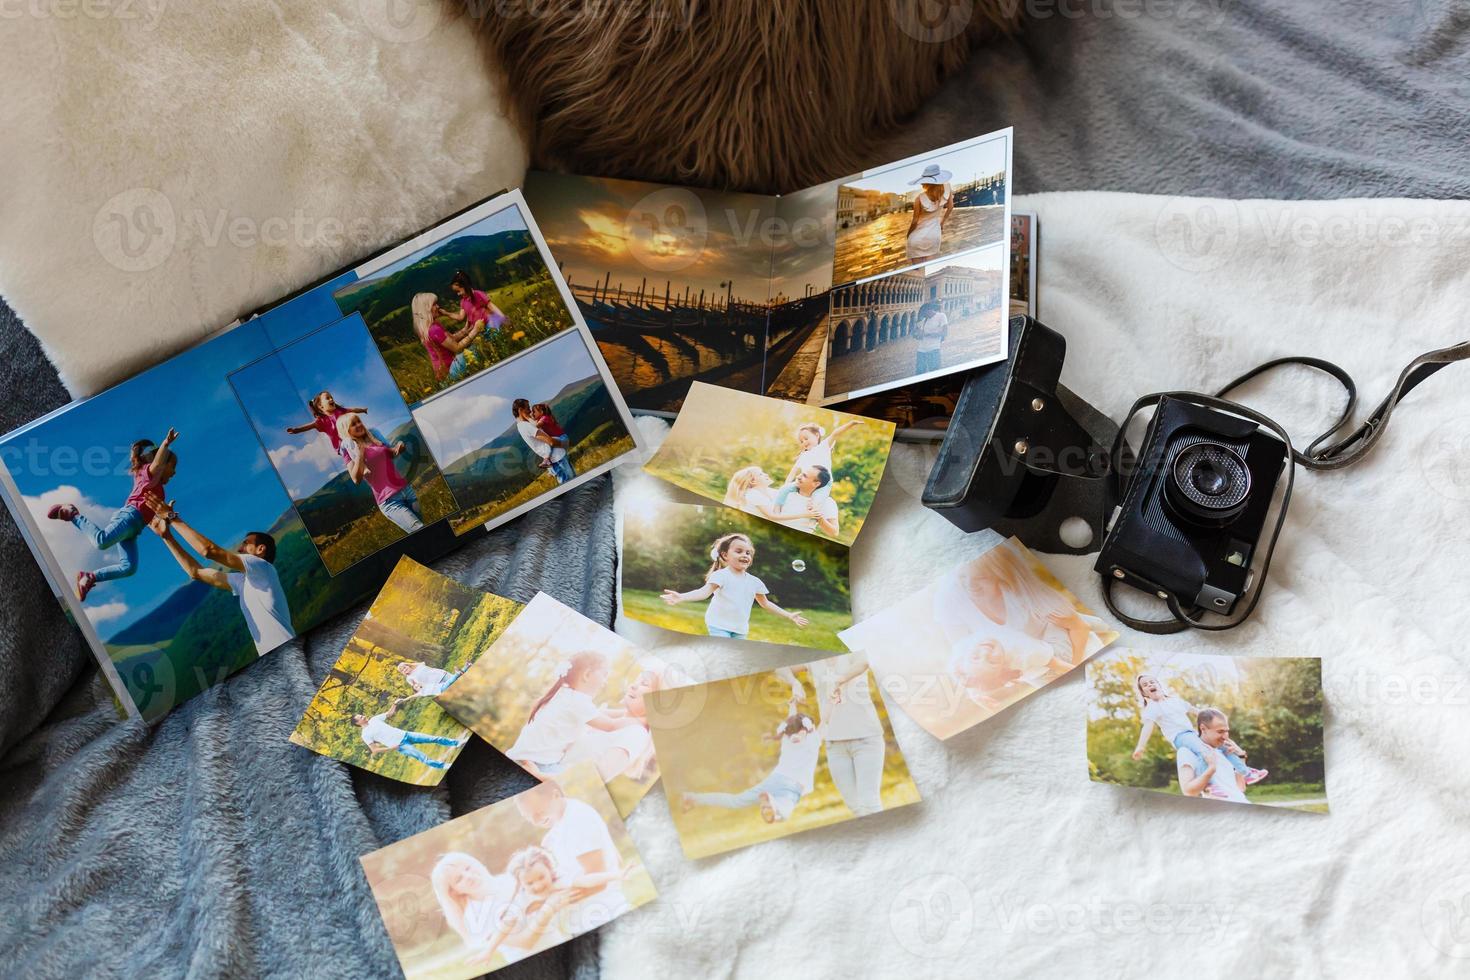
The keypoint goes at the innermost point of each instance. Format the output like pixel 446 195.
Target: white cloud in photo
pixel 302 466
pixel 457 426
pixel 72 549
pixel 106 611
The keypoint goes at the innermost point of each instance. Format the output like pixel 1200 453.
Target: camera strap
pixel 1340 454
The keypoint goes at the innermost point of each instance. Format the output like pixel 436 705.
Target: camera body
pixel 1195 507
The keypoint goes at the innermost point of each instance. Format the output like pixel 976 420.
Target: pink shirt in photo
pixel 475 306
pixel 328 424
pixel 382 475
pixel 439 355
pixel 143 485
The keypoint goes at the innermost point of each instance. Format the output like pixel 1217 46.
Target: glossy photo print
pixel 714 571
pixel 1228 729
pixel 923 209
pixel 462 299
pixel 982 637
pixel 556 689
pixel 343 443
pixel 753 758
pixel 517 435
pixel 931 321
pixel 806 468
pixel 508 881
pixel 375 709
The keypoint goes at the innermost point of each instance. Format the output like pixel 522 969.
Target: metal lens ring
pixel 1211 476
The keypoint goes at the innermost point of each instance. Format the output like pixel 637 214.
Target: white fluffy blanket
pixel 168 167
pixel 1015 864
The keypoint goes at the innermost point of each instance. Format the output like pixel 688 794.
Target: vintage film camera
pixel 1191 519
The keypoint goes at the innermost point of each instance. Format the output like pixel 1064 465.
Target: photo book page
pixel 199 515
pixel 893 277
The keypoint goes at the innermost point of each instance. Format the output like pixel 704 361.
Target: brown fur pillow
pixel 759 95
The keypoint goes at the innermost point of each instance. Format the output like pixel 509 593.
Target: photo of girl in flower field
pixel 467 302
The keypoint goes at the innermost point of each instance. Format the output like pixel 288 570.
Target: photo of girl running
pixel 372 460
pixel 789 780
pixel 324 415
pixel 151 466
pixel 732 589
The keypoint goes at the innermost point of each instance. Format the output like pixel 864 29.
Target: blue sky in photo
pixel 506 220
pixel 471 415
pixel 224 486
pixel 304 313
pixel 341 359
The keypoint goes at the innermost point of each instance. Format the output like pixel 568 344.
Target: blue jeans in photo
pixel 927 361
pixel 729 634
pixel 403 509
pixel 410 739
pixel 562 470
pixel 460 366
pixel 1192 742
pixel 122 531
pixel 784 792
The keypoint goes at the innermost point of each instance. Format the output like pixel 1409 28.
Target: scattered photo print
pixel 376 708
pixel 514 436
pixel 806 468
pixel 1232 729
pixel 670 280
pixel 460 304
pixel 343 444
pixel 508 881
pixel 930 321
pixel 710 570
pixel 921 210
pixel 753 758
pixel 556 689
pixel 984 636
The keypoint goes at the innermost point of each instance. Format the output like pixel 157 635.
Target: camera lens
pixel 1208 483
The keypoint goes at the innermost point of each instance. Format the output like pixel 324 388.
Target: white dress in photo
pixel 924 240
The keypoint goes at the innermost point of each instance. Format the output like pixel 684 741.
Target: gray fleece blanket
pixel 210 846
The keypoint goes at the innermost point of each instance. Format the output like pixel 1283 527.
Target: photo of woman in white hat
pixel 932 208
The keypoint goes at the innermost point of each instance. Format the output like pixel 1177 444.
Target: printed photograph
pixel 805 468
pixel 984 636
pixel 1232 729
pixel 674 282
pixel 161 511
pixel 930 321
pixel 921 210
pixel 715 571
pixel 509 437
pixel 508 881
pixel 925 407
pixel 460 305
pixel 375 709
pixel 556 689
pixel 766 755
pixel 343 443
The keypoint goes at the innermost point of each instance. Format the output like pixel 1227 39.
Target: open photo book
pixel 897 277
pixel 201 514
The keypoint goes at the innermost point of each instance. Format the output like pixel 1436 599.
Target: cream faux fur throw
pixel 168 167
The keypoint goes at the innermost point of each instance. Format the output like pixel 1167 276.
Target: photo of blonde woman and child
pixel 749 759
pixel 375 709
pixel 512 437
pixel 505 882
pixel 924 208
pixel 707 570
pixel 806 468
pixel 343 443
pixel 556 689
pixel 984 636
pixel 1232 729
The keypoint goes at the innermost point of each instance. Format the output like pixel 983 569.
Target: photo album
pixel 202 513
pixel 899 276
